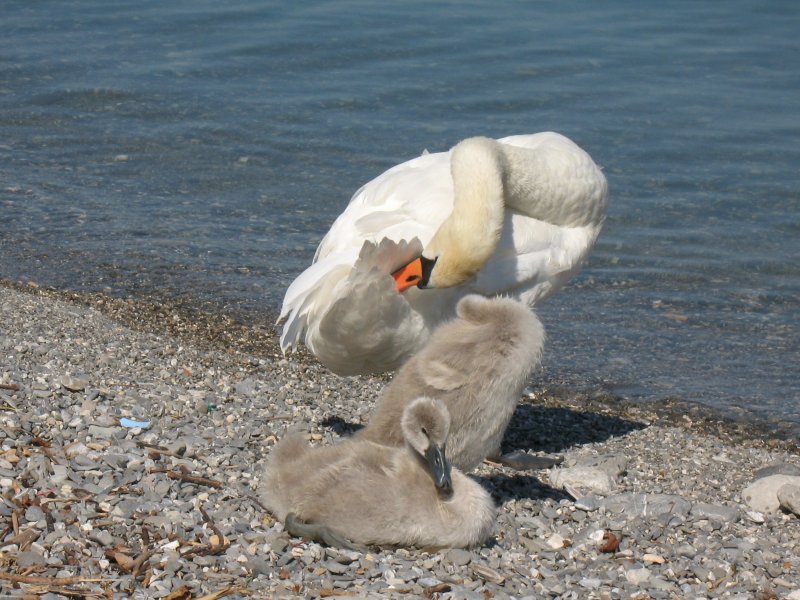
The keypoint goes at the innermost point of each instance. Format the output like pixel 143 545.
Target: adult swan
pixel 515 216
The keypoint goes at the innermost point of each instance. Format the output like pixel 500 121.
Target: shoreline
pixel 193 323
pixel 153 509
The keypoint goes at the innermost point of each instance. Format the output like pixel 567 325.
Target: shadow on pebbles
pixel 129 460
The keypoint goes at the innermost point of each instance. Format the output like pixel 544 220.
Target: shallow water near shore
pixel 199 152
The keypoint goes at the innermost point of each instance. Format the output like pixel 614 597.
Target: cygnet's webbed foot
pixel 522 461
pixel 319 533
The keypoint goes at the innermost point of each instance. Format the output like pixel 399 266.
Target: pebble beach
pixel 133 435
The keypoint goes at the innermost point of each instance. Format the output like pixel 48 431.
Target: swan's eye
pixel 412 278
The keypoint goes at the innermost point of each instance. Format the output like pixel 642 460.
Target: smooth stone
pixel 34 514
pixel 458 557
pixel 29 559
pixel 588 503
pixel 661 584
pixel 549 512
pixel 755 516
pixel 646 505
pixel 245 388
pixel 59 474
pixel 556 541
pixel 700 572
pixel 718 512
pixel 204 561
pixel 102 537
pixel 74 384
pixel 98 431
pixel 343 556
pixel 259 566
pixel 637 576
pixel 762 494
pixel 591 583
pixel 789 498
pixel 77 449
pixel 582 480
pixel 78 467
pixel 335 567
pixel 777 469
pixel 613 464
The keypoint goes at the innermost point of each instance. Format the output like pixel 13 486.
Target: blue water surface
pixel 201 149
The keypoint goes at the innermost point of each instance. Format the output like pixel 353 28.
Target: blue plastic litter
pixel 131 423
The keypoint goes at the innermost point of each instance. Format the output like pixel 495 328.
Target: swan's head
pixel 446 269
pixel 416 273
pixel 426 424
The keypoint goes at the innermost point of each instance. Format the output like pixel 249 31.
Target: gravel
pixel 133 435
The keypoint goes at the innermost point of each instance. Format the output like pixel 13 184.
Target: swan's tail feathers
pixel 387 255
pixel 307 293
pixel 345 308
pixel 369 328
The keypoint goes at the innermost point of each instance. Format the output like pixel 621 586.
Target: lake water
pixel 201 149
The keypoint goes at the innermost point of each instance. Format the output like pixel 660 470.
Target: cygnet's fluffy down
pixel 373 494
pixel 477 364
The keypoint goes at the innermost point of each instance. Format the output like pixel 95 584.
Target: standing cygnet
pixel 477 364
pixel 374 494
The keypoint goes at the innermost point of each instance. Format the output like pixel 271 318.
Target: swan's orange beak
pixel 408 276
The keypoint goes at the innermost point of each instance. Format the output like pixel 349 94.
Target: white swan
pixel 515 216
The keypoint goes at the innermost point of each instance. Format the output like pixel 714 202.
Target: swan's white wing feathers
pixel 409 200
pixel 367 326
pixel 534 256
pixel 355 298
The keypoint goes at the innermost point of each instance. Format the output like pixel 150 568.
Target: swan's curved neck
pixel 556 182
pixel 468 237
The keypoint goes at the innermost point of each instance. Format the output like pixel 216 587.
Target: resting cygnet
pixel 477 364
pixel 367 493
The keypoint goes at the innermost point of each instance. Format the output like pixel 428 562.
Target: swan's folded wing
pixel 348 312
pixel 409 200
pixel 368 328
pixel 534 259
pixel 308 292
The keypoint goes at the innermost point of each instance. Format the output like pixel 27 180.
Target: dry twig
pixel 187 477
pixel 50 581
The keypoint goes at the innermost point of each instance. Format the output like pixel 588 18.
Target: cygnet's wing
pixel 443 363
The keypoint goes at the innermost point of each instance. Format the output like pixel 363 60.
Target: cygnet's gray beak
pixel 440 470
